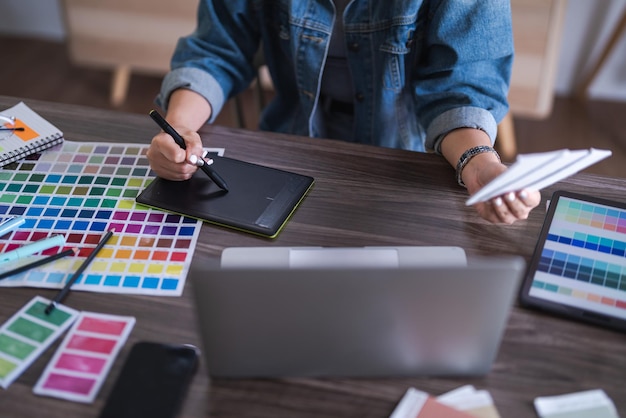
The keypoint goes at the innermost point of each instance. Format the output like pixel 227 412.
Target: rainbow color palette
pixel 81 190
pixel 580 261
pixel 27 334
pixel 84 358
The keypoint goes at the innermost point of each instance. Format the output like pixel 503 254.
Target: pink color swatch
pixel 84 358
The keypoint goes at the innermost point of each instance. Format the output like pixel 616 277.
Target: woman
pixel 419 75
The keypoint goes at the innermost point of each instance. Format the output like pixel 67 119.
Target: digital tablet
pixel 260 199
pixel 578 268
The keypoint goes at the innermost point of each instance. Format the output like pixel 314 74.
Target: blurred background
pixel 568 88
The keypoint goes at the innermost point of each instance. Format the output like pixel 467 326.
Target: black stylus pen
pixel 167 128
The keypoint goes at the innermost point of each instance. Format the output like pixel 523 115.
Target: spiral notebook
pixel 32 134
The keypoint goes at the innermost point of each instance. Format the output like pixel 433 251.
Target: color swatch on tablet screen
pixel 27 334
pixel 81 190
pixel 84 358
pixel 583 260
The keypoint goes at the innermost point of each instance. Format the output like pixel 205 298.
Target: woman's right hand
pixel 170 161
pixel 187 112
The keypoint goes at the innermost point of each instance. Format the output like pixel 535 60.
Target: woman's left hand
pixel 505 209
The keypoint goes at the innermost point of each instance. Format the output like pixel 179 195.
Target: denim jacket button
pixel 359 97
pixel 353 46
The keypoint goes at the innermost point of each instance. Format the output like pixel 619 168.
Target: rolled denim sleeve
pixel 194 79
pixel 463 76
pixel 215 61
pixel 461 117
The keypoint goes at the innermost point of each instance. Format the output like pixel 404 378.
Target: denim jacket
pixel 420 68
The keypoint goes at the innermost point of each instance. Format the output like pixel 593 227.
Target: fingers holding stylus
pixel 170 161
pixel 171 151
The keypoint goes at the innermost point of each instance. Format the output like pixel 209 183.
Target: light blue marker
pixel 11 224
pixel 35 247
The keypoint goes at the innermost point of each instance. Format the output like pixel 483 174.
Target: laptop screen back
pixel 354 321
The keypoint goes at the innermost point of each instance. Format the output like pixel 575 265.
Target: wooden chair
pixel 618 32
pixel 537 27
pixel 131 36
pixel 126 36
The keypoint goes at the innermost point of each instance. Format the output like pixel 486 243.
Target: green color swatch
pixel 14 347
pixel 6 367
pixel 56 317
pixel 30 330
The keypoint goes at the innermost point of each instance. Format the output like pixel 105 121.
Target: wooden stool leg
pixel 505 144
pixel 620 29
pixel 237 107
pixel 119 85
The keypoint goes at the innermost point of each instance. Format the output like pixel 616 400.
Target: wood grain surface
pixel 362 196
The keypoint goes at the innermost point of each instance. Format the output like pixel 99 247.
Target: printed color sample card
pixel 418 404
pixel 81 190
pixel 84 358
pixel 475 402
pixel 27 334
pixel 588 404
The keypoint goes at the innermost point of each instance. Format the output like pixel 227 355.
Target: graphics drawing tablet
pixel 578 268
pixel 260 199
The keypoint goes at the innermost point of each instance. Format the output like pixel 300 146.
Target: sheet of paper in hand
pixel 539 170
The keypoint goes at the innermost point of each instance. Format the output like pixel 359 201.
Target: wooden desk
pixel 362 196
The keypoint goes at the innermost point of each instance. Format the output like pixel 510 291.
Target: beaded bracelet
pixel 467 156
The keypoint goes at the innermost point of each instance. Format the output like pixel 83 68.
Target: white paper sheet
pixel 539 170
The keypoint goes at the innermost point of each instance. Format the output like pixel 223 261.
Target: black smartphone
pixel 153 381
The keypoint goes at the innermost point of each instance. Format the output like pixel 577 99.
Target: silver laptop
pixel 354 321
pixel 313 257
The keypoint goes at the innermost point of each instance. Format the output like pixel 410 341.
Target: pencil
pixel 38 263
pixel 66 289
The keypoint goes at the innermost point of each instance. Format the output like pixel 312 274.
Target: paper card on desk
pixel 537 171
pixel 587 404
pixel 418 404
pixel 84 358
pixel 27 334
pixel 36 135
pixel 478 403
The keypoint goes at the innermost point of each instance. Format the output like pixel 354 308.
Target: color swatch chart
pixel 83 360
pixel 27 334
pixel 591 214
pixel 591 242
pixel 556 263
pixel 81 190
pixel 584 256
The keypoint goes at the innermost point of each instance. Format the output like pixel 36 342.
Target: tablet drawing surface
pixel 260 199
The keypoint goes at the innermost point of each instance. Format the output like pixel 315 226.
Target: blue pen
pixel 11 224
pixel 35 247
